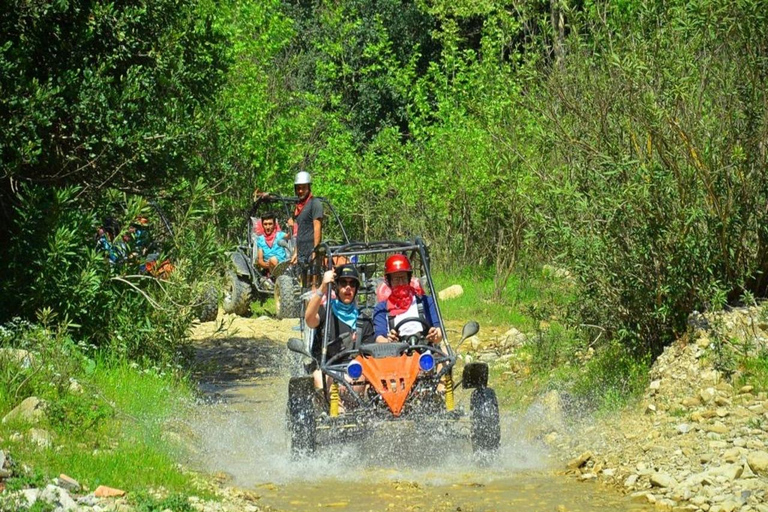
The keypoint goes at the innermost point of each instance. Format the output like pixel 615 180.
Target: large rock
pixel 31 410
pixel 512 338
pixel 58 497
pixel 661 479
pixel 758 461
pixel 40 437
pixel 18 356
pixel 451 292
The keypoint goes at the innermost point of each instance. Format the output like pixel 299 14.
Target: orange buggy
pixel 410 380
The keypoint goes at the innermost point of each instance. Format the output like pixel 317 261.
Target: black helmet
pixel 348 271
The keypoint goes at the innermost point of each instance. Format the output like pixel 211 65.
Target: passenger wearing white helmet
pixel 307 221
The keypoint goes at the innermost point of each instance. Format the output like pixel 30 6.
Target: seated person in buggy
pixel 403 303
pixel 348 329
pixel 270 252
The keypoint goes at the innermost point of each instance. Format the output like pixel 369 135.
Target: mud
pixel 240 431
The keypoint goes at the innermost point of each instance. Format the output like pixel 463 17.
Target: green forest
pixel 624 142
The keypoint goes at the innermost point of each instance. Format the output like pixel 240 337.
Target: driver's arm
pixel 311 316
pixel 381 324
pixel 435 333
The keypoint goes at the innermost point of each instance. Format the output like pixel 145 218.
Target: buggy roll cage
pixel 335 367
pixel 286 201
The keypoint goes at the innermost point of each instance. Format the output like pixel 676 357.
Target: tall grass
pixel 107 429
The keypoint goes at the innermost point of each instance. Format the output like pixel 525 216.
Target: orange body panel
pixel 160 270
pixel 391 377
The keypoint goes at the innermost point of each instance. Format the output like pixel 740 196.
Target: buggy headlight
pixel 354 369
pixel 426 361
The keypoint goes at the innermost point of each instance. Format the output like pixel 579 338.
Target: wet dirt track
pixel 240 429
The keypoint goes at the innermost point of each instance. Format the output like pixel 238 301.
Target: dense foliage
pixel 622 141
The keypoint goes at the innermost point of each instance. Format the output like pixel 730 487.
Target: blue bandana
pixel 347 313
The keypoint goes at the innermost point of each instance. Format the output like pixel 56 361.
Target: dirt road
pixel 241 434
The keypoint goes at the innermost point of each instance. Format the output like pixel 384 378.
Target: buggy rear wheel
pixel 287 300
pixel 237 298
pixel 209 305
pixel 301 416
pixel 485 429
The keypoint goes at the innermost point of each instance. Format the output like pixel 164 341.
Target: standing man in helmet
pixel 405 302
pixel 307 221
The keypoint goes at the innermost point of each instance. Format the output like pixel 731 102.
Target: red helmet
pixel 397 263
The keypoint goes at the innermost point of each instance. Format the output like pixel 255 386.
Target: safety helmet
pixel 347 272
pixel 302 178
pixel 397 263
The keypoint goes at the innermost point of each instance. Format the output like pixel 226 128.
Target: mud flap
pixel 241 265
pixel 475 375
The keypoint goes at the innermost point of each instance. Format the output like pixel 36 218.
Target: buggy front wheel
pixel 237 298
pixel 301 416
pixel 287 299
pixel 485 429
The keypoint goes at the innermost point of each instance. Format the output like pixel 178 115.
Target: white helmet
pixel 302 178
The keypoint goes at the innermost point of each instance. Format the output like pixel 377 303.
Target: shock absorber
pixel 334 406
pixel 448 383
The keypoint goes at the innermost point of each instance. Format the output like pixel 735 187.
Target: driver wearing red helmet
pixel 403 303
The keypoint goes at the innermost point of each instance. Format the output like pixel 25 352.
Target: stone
pixel 707 395
pixel 718 427
pixel 451 292
pixel 68 483
pixel 661 479
pixel 2 459
pixel 21 357
pixel 691 401
pixel 747 472
pixel 631 480
pixel 30 495
pixel 655 385
pixel 103 491
pixel 513 338
pixel 729 471
pixel 731 455
pixel 40 437
pixel 683 428
pixel 758 461
pixel 75 387
pixel 580 460
pixel 58 497
pixel 31 410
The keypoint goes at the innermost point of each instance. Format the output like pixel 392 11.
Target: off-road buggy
pixel 412 380
pixel 247 282
pixel 143 246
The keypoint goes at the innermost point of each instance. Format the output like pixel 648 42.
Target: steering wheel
pixel 413 339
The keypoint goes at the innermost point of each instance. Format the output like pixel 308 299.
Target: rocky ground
pixel 697 441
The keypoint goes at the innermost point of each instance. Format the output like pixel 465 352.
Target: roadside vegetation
pixel 590 172
pixel 105 419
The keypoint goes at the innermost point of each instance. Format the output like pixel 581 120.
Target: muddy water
pixel 240 429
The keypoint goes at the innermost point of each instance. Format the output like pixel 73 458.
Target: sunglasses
pixel 343 283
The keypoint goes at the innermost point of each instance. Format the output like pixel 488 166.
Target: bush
pixel 114 305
